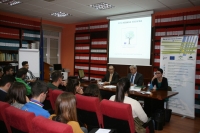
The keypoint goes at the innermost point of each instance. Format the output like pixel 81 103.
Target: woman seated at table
pixel 65 112
pixel 17 95
pixel 93 91
pixel 122 92
pixel 74 86
pixel 159 82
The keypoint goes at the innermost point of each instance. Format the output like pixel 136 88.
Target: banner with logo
pixel 178 61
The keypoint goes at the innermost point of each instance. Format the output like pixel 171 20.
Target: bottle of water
pixel 149 86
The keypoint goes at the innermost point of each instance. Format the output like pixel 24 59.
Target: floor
pixel 180 124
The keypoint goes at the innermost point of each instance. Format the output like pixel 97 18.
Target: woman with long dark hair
pixel 17 95
pixel 65 111
pixel 74 86
pixel 93 91
pixel 122 93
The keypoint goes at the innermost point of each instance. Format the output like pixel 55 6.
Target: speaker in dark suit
pixel 134 76
pixel 111 76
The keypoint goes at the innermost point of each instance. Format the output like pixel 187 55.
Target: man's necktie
pixel 110 78
pixel 132 76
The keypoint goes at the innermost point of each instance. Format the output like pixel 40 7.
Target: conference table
pixel 150 99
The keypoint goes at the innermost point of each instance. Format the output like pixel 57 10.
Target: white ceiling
pixel 82 12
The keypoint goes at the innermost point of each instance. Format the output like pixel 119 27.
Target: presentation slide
pixel 130 41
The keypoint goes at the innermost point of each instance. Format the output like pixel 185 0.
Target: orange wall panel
pixel 67 48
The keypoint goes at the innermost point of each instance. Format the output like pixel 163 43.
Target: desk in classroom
pixel 158 95
pixel 149 100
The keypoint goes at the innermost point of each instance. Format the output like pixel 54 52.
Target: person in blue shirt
pixel 39 93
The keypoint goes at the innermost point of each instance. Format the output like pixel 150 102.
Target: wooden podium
pixel 47 72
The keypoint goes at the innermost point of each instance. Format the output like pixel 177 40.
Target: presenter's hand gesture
pixel 155 76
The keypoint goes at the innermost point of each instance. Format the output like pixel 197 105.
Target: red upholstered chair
pixel 44 125
pixel 3 106
pixel 53 97
pixel 49 94
pixel 117 116
pixel 88 111
pixel 18 120
pixel 49 97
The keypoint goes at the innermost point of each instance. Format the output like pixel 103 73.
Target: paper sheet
pixel 100 83
pixel 109 86
pixel 133 88
pixel 103 130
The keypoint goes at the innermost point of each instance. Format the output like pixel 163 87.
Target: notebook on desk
pixel 135 88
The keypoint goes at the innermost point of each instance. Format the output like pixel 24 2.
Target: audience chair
pixel 117 116
pixel 3 126
pixel 19 121
pixel 47 102
pixel 88 111
pixel 44 125
pixel 54 95
pixel 49 95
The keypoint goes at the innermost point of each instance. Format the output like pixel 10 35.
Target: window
pixel 51 47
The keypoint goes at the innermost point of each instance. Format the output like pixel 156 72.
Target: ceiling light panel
pixel 10 2
pixel 101 6
pixel 60 14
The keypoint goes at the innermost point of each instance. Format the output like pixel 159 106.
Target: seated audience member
pixel 56 77
pixel 122 92
pixel 111 76
pixel 39 92
pixel 65 112
pixel 74 86
pixel 17 95
pixel 8 70
pixel 135 77
pixel 93 91
pixel 159 81
pixel 1 72
pixel 5 83
pixel 20 76
pixel 30 78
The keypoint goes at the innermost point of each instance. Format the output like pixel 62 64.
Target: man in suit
pixel 135 77
pixel 111 76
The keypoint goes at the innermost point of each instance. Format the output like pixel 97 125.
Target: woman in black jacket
pixel 158 81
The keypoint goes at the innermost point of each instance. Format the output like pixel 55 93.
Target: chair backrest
pixel 48 97
pixel 44 125
pixel 3 126
pixel 19 120
pixel 3 105
pixel 53 97
pixel 88 111
pixel 117 116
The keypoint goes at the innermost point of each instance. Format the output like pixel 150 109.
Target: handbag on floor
pixel 168 113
